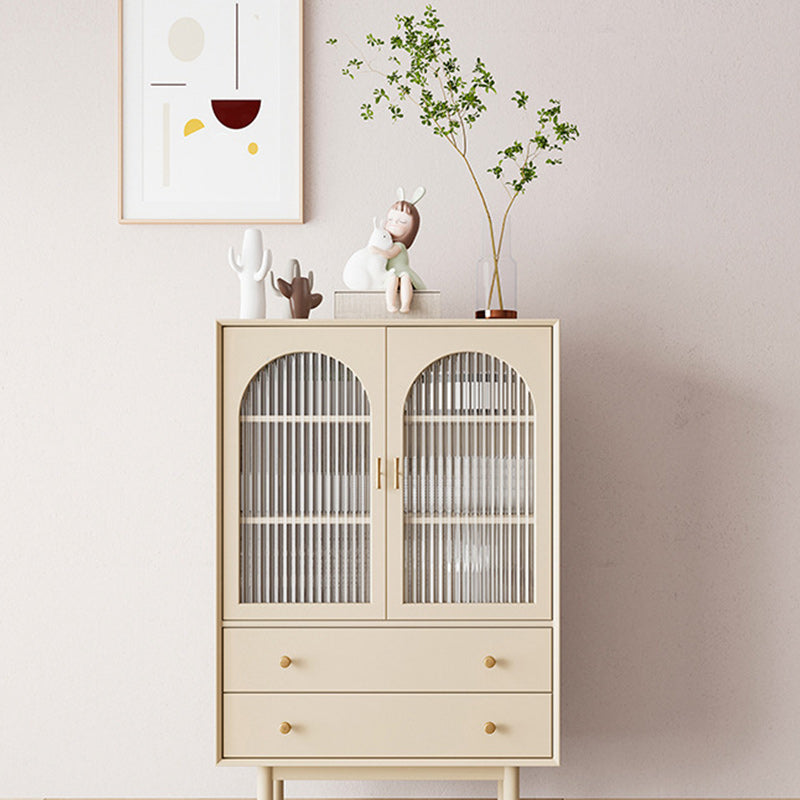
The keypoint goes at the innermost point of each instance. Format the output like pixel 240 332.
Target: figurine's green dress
pixel 399 266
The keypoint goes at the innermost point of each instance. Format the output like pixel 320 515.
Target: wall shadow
pixel 663 564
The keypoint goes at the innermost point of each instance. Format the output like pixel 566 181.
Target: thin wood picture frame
pixel 210 111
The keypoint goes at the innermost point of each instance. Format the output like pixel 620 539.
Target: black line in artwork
pixel 237 46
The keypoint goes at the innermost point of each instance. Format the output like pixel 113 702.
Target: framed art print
pixel 211 111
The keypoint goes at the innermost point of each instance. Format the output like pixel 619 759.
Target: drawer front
pixel 393 659
pixel 387 725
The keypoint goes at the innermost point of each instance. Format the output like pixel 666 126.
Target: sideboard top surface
pixel 384 323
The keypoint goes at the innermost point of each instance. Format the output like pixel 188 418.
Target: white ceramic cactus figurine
pixel 251 267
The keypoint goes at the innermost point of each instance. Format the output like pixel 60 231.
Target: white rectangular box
pixel 372 305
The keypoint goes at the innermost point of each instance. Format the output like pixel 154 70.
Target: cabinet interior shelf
pixel 477 519
pixel 413 519
pixel 310 519
pixel 304 418
pixel 470 418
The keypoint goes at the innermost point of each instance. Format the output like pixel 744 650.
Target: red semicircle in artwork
pixel 236 114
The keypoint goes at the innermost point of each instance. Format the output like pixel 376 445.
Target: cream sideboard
pixel 388 549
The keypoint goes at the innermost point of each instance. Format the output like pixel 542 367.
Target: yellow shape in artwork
pixel 191 126
pixel 252 148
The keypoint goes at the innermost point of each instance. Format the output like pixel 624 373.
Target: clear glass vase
pixel 496 283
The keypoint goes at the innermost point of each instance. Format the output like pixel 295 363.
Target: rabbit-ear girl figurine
pixel 402 223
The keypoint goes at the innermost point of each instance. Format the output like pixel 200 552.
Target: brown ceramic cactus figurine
pixel 298 292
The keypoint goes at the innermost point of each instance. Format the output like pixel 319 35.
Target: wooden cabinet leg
pixel 264 783
pixel 499 790
pixel 510 783
pixel 277 790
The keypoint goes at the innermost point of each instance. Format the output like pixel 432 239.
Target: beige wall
pixel 667 243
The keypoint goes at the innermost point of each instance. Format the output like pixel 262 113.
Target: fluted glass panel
pixel 304 484
pixel 469 480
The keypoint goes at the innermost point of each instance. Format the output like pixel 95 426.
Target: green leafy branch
pixel 421 70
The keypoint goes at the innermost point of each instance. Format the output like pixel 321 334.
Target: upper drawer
pixel 387 659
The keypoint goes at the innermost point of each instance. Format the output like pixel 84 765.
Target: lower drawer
pixel 387 725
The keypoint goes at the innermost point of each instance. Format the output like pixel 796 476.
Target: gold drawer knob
pixel 285 728
pixel 489 662
pixel 285 661
pixel 490 727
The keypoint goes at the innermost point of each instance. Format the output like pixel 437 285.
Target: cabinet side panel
pixel 218 604
pixel 556 538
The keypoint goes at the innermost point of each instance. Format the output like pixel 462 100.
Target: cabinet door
pixel 302 424
pixel 469 516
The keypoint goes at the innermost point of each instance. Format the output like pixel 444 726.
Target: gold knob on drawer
pixel 489 662
pixel 490 727
pixel 285 661
pixel 285 727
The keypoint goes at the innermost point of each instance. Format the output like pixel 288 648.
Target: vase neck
pixel 505 245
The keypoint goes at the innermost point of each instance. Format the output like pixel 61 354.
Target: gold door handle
pixel 397 473
pixel 490 727
pixel 489 662
pixel 378 475
pixel 285 727
pixel 285 662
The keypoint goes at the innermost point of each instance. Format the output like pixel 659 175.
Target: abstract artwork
pixel 211 110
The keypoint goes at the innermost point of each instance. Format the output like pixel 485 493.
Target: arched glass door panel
pixel 304 489
pixel 469 484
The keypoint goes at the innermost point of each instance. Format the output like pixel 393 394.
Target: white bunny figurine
pixel 366 270
pixel 251 268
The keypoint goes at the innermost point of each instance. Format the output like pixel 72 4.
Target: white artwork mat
pixel 211 110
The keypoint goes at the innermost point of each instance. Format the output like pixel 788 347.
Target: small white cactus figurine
pixel 251 267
